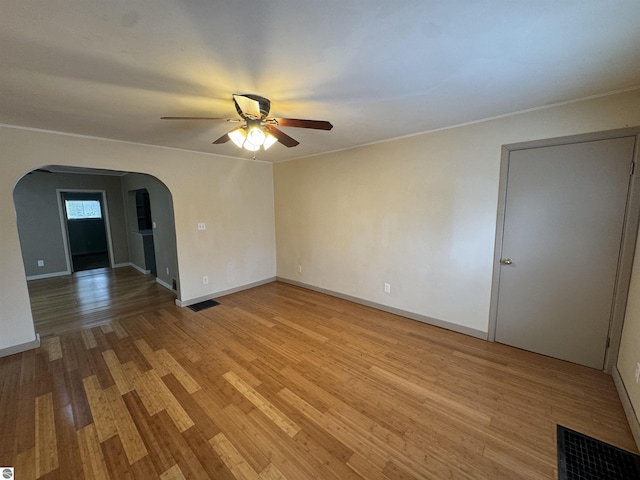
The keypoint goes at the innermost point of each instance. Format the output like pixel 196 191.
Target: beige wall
pixel 420 214
pixel 630 345
pixel 233 197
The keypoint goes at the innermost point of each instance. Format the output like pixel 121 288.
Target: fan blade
pixel 299 123
pixel 223 139
pixel 200 118
pixel 282 137
pixel 247 106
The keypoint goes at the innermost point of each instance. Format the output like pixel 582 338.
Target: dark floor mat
pixel 90 261
pixel 197 307
pixel 581 457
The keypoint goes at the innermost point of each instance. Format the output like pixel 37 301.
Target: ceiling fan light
pixel 256 136
pixel 268 141
pixel 238 136
pixel 250 146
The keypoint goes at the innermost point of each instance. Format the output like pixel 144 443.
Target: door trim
pixel 629 234
pixel 65 232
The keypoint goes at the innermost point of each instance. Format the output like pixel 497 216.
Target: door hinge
pixel 632 169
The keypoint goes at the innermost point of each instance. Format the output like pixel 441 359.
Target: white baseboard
pixel 67 272
pixel 120 265
pixel 164 284
pixel 140 269
pixel 48 275
pixel 396 311
pixel 211 296
pixel 23 347
pixel 632 418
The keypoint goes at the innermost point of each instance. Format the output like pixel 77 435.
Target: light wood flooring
pixel 281 382
pixel 93 297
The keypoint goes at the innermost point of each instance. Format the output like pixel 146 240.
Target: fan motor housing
pixel 264 103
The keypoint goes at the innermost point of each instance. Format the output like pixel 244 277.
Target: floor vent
pixel 198 307
pixel 584 458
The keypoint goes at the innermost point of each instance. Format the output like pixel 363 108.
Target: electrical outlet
pixel 153 224
pixel 205 280
pixel 41 263
pixel 299 268
pixel 202 226
pixel 387 288
pixel 637 372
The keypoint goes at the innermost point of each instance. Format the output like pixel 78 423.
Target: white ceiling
pixel 376 69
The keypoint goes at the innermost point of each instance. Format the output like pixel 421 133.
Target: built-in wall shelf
pixel 143 210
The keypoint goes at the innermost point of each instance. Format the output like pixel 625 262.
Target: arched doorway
pixel 44 235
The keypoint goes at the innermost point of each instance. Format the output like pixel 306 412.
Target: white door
pixel 564 217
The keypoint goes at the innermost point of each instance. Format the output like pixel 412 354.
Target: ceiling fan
pixel 259 130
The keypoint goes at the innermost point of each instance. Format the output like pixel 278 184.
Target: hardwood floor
pixel 281 382
pixel 93 297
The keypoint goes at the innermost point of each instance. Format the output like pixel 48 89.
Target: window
pixel 81 209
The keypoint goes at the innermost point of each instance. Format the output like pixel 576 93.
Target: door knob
pixel 506 261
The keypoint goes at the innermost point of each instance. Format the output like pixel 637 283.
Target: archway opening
pixel 50 256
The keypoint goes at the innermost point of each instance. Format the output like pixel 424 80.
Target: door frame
pixel 64 228
pixel 629 234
